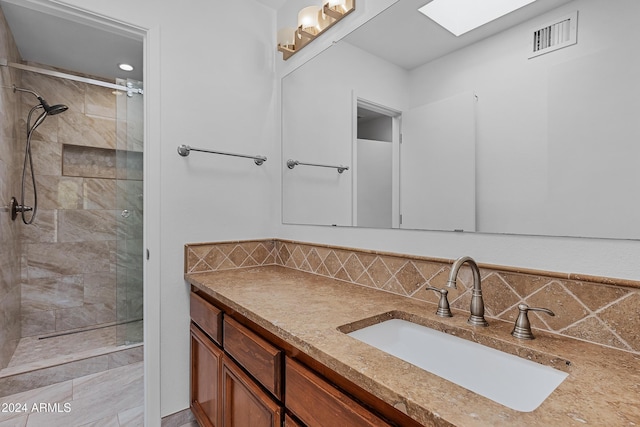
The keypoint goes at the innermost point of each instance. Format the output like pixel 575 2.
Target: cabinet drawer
pixel 318 403
pixel 257 356
pixel 207 317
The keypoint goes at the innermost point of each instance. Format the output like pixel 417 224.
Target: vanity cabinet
pixel 240 378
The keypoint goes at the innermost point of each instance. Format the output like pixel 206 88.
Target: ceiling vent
pixel 555 35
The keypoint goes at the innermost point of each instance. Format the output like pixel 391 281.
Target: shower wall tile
pixel 10 321
pixel 47 131
pixel 77 225
pixel 100 101
pixel 57 192
pixel 88 162
pixel 79 129
pixel 130 165
pixel 55 90
pixel 99 193
pixel 100 288
pixel 47 156
pixel 70 259
pixel 44 230
pixel 65 259
pixel 87 315
pixel 11 147
pixel 53 293
pixel 38 323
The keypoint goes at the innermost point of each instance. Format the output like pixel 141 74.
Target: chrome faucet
pixel 477 304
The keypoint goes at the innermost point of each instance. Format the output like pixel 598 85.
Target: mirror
pixel 497 137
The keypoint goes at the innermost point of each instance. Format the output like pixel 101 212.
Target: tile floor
pixel 112 398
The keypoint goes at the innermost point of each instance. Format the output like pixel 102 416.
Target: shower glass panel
pixel 129 194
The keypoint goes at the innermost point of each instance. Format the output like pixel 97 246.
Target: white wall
pixel 553 132
pixel 318 105
pixel 210 84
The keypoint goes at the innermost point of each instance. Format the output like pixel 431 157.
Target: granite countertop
pixel 306 310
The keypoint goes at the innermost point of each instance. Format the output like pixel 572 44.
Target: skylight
pixel 461 16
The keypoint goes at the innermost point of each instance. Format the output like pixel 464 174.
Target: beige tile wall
pixel 70 253
pixel 10 244
pixel 604 311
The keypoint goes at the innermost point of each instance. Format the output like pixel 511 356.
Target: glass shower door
pixel 129 196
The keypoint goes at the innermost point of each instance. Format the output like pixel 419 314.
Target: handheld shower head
pixel 50 110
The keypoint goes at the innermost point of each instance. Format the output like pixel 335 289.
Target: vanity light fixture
pixel 461 16
pixel 312 21
pixel 125 67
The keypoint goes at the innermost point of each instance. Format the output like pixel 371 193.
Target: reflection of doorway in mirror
pixel 375 166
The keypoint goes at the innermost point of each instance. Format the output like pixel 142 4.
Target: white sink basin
pixel 514 382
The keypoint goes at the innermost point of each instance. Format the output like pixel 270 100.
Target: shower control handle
pixel 125 213
pixel 15 207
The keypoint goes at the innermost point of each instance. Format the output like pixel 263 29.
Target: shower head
pixel 51 110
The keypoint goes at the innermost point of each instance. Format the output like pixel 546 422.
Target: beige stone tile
pixel 88 162
pixel 65 259
pixel 10 323
pixel 87 315
pixel 498 296
pixel 38 323
pixel 56 192
pixel 75 128
pixel 53 293
pixel 18 421
pixel 568 310
pixel 47 157
pixel 130 165
pixel 44 228
pixel 110 421
pixel 56 393
pixel 594 330
pixel 100 101
pixel 133 417
pixel 593 295
pixel 51 375
pixel 86 225
pixel 108 381
pixel 622 317
pixel 99 193
pixel 56 90
pixel 33 353
pixel 126 357
pixel 100 288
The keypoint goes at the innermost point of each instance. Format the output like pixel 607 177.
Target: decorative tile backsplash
pixel 589 309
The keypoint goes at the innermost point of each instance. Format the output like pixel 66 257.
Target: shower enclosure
pixel 79 303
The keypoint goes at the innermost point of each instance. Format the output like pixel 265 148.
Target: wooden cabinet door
pixel 206 362
pixel 244 403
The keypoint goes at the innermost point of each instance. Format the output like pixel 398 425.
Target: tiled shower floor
pixel 43 362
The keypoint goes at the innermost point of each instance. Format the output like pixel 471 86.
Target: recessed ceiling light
pixel 125 67
pixel 461 16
